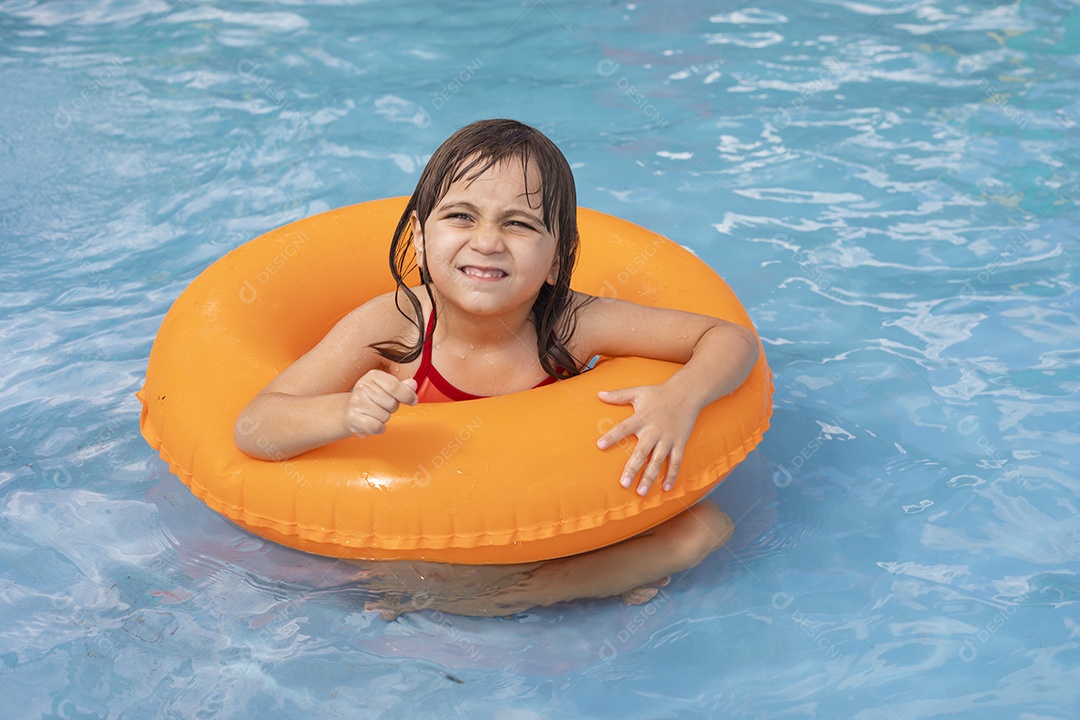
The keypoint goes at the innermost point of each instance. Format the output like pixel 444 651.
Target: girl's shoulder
pixel 384 318
pixel 582 315
pixel 621 328
pixel 345 353
pixel 612 326
pixel 588 308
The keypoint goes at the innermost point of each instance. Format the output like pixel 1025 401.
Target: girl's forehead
pixel 507 169
pixel 505 180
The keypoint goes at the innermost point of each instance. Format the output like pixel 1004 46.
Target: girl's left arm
pixel 717 357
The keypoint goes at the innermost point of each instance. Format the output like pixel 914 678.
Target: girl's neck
pixel 480 332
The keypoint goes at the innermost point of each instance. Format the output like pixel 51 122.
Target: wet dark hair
pixel 466 155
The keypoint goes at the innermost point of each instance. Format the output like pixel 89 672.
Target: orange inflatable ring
pixel 508 479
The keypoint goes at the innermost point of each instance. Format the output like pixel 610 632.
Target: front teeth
pixel 484 273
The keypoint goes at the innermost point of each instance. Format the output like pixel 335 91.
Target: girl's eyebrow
pixel 469 207
pixel 460 204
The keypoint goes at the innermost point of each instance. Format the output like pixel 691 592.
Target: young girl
pixel 492 226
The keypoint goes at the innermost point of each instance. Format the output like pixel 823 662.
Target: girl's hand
pixel 662 422
pixel 375 397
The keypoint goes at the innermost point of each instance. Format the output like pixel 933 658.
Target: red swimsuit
pixel 433 387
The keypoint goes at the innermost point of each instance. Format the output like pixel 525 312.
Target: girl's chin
pixel 483 304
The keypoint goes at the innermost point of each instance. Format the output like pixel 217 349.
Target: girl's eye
pixel 521 224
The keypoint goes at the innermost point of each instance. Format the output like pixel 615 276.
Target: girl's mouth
pixel 484 273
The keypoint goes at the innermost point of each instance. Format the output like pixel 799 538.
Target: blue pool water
pixel 891 187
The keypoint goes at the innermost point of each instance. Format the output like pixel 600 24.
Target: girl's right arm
pixel 340 388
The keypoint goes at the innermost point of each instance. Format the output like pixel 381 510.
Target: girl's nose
pixel 487 239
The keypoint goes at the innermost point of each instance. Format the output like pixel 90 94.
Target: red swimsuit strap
pixel 433 387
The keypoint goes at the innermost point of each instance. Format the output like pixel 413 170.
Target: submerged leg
pixel 635 569
pixel 407 586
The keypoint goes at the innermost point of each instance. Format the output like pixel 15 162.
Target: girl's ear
pixel 417 238
pixel 553 274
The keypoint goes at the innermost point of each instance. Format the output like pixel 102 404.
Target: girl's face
pixel 487 249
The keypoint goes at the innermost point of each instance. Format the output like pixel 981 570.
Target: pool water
pixel 890 187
